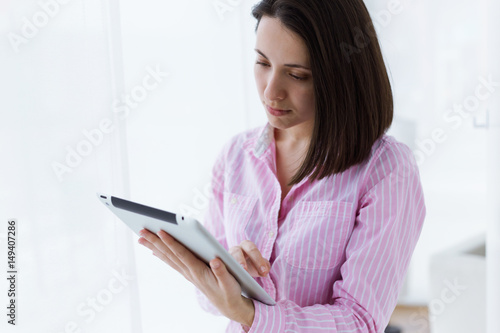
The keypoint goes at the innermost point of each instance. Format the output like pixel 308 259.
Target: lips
pixel 276 112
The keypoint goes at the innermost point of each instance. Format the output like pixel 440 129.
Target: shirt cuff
pixel 268 318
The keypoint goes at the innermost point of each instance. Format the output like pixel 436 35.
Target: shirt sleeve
pixel 388 223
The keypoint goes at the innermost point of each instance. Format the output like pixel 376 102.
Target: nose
pixel 275 90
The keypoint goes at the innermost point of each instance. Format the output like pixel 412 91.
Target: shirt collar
pixel 261 142
pixel 266 137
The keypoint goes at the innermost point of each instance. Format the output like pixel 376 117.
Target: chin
pixel 279 124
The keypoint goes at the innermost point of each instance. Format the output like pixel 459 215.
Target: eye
pixel 298 78
pixel 262 63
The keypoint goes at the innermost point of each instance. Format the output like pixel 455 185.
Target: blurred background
pixel 136 99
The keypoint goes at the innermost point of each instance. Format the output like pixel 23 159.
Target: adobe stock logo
pixel 455 117
pixel 437 306
pixel 39 20
pixel 380 19
pixel 100 304
pixel 224 6
pixel 121 108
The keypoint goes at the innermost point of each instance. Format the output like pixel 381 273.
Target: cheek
pixel 306 97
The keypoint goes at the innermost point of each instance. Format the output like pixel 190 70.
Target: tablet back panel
pixel 190 233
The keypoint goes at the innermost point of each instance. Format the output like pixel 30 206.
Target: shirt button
pixel 234 201
pixel 271 234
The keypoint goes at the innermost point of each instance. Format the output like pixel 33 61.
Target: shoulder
pixel 391 181
pixel 387 146
pixel 389 157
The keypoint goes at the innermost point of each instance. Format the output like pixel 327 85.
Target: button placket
pixel 268 231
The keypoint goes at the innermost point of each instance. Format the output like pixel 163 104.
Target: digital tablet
pixel 190 233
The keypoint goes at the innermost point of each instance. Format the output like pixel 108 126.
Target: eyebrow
pixel 287 65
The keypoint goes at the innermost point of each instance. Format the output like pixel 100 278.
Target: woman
pixel 319 205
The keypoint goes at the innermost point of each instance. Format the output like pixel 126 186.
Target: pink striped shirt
pixel 339 247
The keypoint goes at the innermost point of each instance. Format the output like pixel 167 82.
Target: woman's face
pixel 283 76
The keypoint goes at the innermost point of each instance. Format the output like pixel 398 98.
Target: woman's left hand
pixel 218 285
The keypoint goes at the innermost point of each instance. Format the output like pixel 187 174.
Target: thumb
pixel 225 279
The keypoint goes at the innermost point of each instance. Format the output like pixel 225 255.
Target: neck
pixel 294 136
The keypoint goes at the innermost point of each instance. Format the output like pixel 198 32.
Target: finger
pixel 159 246
pixel 159 254
pixel 260 263
pixel 183 255
pixel 167 260
pixel 143 241
pixel 237 253
pixel 226 281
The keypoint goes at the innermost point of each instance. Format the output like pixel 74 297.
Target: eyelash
pixel 298 78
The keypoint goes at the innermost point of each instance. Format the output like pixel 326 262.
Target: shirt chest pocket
pixel 238 210
pixel 318 235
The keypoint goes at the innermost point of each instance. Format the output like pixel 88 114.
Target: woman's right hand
pixel 249 257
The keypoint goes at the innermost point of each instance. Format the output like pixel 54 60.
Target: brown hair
pixel 354 104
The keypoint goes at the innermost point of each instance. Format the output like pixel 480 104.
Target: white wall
pixel 493 238
pixel 56 88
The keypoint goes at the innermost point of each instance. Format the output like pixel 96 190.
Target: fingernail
pixel 262 269
pixel 215 264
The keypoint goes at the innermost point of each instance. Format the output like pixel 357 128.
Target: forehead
pixel 278 42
